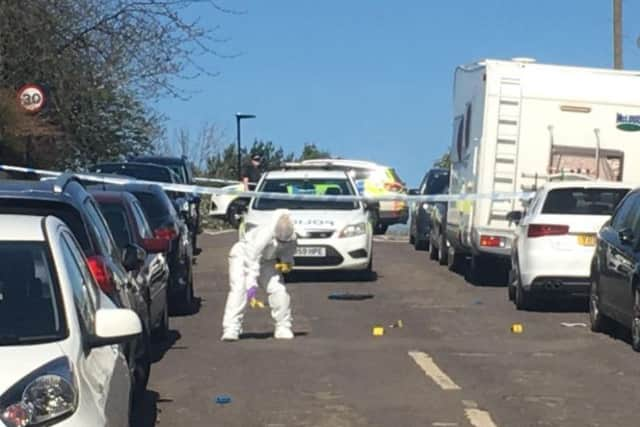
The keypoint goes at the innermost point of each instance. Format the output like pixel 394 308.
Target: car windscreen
pixel 30 308
pixel 310 186
pixel 437 183
pixel 146 173
pixel 582 201
pixel 116 217
pixel 156 209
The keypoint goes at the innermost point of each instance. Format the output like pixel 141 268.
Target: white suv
pixel 60 336
pixel 555 239
pixel 332 235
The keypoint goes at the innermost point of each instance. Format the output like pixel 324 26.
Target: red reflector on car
pixel 167 233
pixel 541 230
pixel 491 241
pixel 101 274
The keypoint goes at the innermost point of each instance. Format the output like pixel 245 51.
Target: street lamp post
pixel 240 116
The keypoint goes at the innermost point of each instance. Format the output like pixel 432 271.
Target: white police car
pixel 332 235
pixel 59 335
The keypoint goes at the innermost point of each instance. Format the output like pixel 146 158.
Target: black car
pixel 184 203
pixel 615 272
pixel 438 250
pixel 66 198
pixel 149 268
pixel 166 224
pixel 435 181
pixel 183 168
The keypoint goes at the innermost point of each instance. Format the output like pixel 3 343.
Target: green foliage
pixel 444 161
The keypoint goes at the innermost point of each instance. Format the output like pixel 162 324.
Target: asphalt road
pixel 455 361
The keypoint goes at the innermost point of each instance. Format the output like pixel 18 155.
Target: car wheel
pixel 187 298
pixel 599 322
pixel 142 369
pixel 635 322
pixel 412 240
pixel 442 251
pixel 511 287
pixel 380 228
pixel 234 213
pixel 454 259
pixel 433 251
pixel 476 271
pixel 366 275
pixel 523 299
pixel 162 331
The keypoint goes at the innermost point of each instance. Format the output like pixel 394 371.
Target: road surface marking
pixel 217 233
pixel 426 363
pixel 445 424
pixel 470 404
pixel 479 418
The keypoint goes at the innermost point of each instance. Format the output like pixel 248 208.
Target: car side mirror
pixel 155 245
pixel 515 217
pixel 114 326
pixel 133 257
pixel 414 191
pixel 371 205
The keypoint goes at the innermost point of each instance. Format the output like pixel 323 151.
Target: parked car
pixel 332 235
pixel 149 268
pixel 229 207
pixel 373 180
pixel 555 239
pixel 614 295
pixel 438 249
pixel 60 336
pixel 435 181
pixel 174 170
pixel 166 224
pixel 65 198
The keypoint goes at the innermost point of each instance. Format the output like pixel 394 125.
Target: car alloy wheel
pixel 635 323
pixel 595 317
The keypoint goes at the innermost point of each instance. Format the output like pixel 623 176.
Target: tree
pixel 310 151
pixel 444 161
pixel 199 148
pixel 100 62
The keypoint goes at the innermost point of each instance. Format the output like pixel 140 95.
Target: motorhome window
pixel 467 126
pixel 582 160
pixel 458 133
pixel 582 201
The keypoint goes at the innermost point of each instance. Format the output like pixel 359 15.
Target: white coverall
pixel 251 263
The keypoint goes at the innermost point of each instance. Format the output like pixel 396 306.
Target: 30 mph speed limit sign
pixel 31 97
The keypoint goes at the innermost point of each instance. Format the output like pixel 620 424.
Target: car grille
pixel 332 258
pixel 316 234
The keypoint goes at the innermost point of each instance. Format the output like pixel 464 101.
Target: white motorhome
pixel 518 123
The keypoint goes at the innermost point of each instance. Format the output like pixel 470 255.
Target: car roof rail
pixel 61 181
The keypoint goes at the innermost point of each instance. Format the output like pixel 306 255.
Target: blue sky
pixel 372 79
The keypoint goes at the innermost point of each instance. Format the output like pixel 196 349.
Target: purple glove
pixel 251 293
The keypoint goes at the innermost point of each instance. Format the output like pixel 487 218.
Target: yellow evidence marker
pixel 378 331
pixel 283 267
pixel 517 328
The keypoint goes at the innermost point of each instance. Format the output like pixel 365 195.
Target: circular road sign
pixel 31 97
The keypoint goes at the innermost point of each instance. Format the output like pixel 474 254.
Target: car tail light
pixel 492 241
pixel 540 230
pixel 101 274
pixel 166 233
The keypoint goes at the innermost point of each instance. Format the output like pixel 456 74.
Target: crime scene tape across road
pixel 196 189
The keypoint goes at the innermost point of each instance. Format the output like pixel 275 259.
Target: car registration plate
pixel 587 239
pixel 311 251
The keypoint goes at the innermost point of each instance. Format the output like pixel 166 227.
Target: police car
pixel 332 235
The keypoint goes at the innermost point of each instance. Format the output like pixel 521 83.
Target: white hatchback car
pixel 60 336
pixel 332 235
pixel 555 239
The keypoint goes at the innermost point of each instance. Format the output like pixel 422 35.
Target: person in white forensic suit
pixel 260 258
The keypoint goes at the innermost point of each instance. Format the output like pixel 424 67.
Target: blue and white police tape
pixel 196 189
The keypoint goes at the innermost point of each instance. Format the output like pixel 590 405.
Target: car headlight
pixel 354 230
pixel 47 394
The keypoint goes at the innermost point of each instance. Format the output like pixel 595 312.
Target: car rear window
pixel 437 183
pixel 582 201
pixel 156 209
pixel 116 217
pixel 146 173
pixel 30 303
